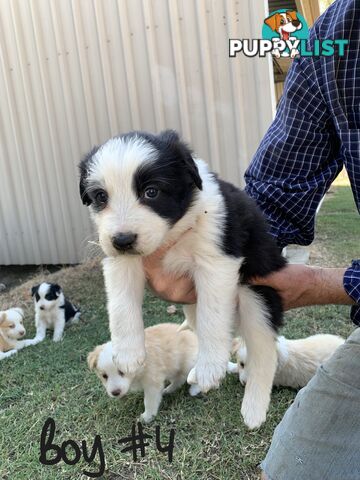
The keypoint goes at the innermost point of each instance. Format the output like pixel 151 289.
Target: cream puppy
pixel 298 360
pixel 11 331
pixel 170 355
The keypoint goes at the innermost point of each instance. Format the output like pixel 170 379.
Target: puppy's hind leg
pixel 175 384
pixel 232 367
pixel 152 400
pixel 260 309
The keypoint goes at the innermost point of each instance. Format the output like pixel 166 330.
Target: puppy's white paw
pixel 232 367
pixel 243 377
pixel 206 375
pixel 57 339
pixel 146 417
pixel 194 390
pixel 253 410
pixel 252 419
pixel 9 353
pixel 128 359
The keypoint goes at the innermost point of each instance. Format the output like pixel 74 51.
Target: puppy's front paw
pixel 9 353
pixel 206 375
pixel 128 359
pixel 146 417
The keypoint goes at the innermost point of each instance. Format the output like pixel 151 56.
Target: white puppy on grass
pixel 170 355
pixel 298 360
pixel 12 330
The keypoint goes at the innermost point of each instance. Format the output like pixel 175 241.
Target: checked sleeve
pixel 297 159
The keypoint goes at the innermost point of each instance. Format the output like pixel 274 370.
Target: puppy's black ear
pixel 56 289
pixel 193 170
pixel 84 172
pixel 172 139
pixel 34 290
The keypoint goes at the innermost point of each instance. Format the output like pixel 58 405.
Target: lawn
pixel 211 441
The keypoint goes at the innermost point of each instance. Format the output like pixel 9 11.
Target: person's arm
pixel 298 158
pixel 301 285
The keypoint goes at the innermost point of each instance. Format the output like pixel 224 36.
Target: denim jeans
pixel 319 436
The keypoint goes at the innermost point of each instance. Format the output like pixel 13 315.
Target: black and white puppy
pixel 148 190
pixel 52 311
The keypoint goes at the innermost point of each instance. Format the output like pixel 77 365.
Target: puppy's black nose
pixel 116 393
pixel 42 308
pixel 296 23
pixel 124 241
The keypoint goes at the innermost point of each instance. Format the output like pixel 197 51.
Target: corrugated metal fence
pixel 75 72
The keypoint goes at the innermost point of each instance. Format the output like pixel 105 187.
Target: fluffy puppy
pixel 52 311
pixel 11 331
pixel 146 191
pixel 170 355
pixel 298 360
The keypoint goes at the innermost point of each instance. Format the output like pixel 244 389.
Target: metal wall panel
pixel 75 72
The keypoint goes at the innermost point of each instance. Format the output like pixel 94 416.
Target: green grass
pixel 211 441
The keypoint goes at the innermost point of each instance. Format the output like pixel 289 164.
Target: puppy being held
pixel 298 360
pixel 148 191
pixel 11 331
pixel 170 355
pixel 52 311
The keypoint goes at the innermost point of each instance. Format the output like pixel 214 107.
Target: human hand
pixel 165 285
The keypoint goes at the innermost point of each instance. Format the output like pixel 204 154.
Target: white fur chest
pixel 200 231
pixel 48 317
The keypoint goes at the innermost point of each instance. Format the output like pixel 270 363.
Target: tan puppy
pixel 170 355
pixel 298 360
pixel 11 330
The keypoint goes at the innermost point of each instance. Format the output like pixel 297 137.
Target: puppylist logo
pixel 285 34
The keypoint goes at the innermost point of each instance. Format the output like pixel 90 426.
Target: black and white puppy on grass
pixel 52 311
pixel 146 191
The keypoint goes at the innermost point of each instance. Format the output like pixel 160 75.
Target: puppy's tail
pixel 76 318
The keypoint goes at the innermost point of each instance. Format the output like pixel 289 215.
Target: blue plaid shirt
pixel 316 132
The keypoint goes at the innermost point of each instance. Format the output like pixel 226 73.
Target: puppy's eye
pixel 242 364
pixel 120 373
pixel 105 377
pixel 12 326
pixel 282 21
pixel 101 197
pixel 151 192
